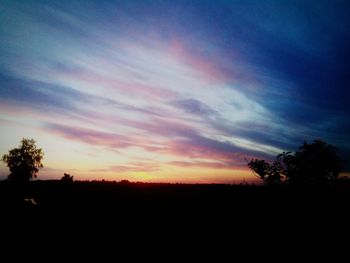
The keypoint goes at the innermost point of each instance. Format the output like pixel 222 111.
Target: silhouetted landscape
pixel 311 190
pixel 166 215
pixel 187 118
pixel 150 200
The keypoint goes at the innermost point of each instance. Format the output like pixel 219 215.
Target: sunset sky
pixel 172 91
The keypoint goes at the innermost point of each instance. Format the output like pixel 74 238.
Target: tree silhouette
pixel 270 174
pixel 24 162
pixel 314 164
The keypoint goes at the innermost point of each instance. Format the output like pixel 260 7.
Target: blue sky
pixel 173 91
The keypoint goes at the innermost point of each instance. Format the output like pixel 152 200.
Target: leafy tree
pixel 268 173
pixel 314 164
pixel 24 162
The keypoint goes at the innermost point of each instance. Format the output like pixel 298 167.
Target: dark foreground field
pixel 135 214
pixel 239 203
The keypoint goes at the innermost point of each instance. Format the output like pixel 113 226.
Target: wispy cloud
pixel 135 167
pixel 208 86
pixel 89 136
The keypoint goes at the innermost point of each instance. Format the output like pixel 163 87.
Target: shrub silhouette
pixel 24 162
pixel 67 178
pixel 314 164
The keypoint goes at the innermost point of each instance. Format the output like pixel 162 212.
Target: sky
pixel 172 91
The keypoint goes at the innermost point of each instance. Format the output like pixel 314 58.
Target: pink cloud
pixel 201 164
pixel 90 136
pixel 192 150
pixel 103 80
pixel 135 167
pixel 164 127
pixel 180 141
pixel 219 155
pixel 111 141
pixel 205 65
